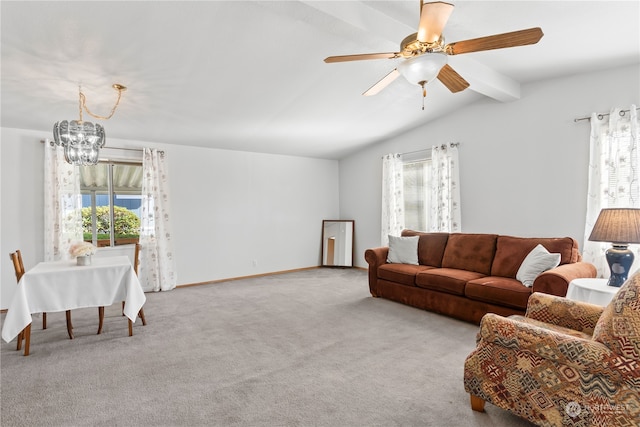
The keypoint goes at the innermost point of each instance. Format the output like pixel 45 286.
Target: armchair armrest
pixel 556 281
pixel 579 353
pixel 375 257
pixel 579 316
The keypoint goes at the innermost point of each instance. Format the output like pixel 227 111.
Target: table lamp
pixel 620 226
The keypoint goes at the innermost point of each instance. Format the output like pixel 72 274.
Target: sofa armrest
pixel 375 257
pixel 579 353
pixel 576 315
pixel 556 281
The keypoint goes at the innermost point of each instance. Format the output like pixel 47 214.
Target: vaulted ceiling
pixel 249 75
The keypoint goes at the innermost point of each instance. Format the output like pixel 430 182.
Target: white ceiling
pixel 245 75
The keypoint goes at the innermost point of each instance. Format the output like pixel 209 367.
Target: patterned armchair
pixel 564 363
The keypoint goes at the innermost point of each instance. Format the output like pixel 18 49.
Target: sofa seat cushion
pixel 498 290
pixel 449 280
pixel 401 273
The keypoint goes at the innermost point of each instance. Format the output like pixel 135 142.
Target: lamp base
pixel 620 259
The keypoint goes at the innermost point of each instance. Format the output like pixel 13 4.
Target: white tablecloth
pixel 594 291
pixel 63 285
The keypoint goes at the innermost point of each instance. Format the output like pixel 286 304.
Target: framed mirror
pixel 337 243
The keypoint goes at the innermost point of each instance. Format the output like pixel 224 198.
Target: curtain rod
pixel 601 116
pixel 442 147
pixel 51 143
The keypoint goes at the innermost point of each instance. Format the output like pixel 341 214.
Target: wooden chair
pixel 25 335
pixel 135 262
pixel 18 266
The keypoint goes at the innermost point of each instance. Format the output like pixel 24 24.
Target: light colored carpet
pixel 308 348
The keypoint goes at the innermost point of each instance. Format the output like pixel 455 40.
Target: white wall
pixel 229 208
pixel 523 163
pixel 524 169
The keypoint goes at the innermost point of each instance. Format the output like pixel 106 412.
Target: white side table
pixel 594 291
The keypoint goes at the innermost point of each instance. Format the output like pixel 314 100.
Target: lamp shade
pixel 617 225
pixel 422 68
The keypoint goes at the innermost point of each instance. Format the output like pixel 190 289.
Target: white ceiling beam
pixel 368 19
pixel 485 80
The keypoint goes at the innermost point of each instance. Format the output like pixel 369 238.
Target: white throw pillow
pixel 536 262
pixel 403 250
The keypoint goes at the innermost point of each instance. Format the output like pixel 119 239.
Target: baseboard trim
pixel 188 285
pixel 230 279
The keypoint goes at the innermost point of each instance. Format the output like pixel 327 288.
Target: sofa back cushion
pixel 430 247
pixel 511 251
pixel 619 324
pixel 471 252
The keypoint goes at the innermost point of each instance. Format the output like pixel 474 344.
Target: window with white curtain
pixel 421 191
pixel 416 188
pixel 622 169
pixel 614 173
pixel 111 202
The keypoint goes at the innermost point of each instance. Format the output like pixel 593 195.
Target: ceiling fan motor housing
pixel 411 46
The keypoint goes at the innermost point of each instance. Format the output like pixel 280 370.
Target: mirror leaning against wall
pixel 337 243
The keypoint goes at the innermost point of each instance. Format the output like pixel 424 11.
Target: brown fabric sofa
pixel 465 275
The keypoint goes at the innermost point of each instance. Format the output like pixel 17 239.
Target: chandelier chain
pixel 83 103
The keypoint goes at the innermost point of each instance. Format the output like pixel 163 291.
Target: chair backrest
pixel 18 266
pixel 619 324
pixel 136 258
pixel 132 251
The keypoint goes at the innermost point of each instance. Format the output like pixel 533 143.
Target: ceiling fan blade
pixel 433 18
pixel 362 56
pixel 382 83
pixel 451 79
pixel 497 41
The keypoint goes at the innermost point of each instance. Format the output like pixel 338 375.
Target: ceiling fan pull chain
pixel 424 92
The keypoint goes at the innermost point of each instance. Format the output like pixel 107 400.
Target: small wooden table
pixel 63 285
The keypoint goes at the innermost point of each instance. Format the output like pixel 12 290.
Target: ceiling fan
pixel 425 53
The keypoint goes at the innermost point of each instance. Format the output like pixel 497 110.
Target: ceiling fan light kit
pixel 82 140
pixel 424 53
pixel 423 68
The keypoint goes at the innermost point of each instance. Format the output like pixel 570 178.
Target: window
pixel 416 184
pixel 621 163
pixel 111 200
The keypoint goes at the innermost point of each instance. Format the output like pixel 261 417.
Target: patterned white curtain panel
pixel 157 270
pixel 444 206
pixel 614 168
pixel 62 204
pixel 392 198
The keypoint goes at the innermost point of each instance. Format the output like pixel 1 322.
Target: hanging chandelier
pixel 82 140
